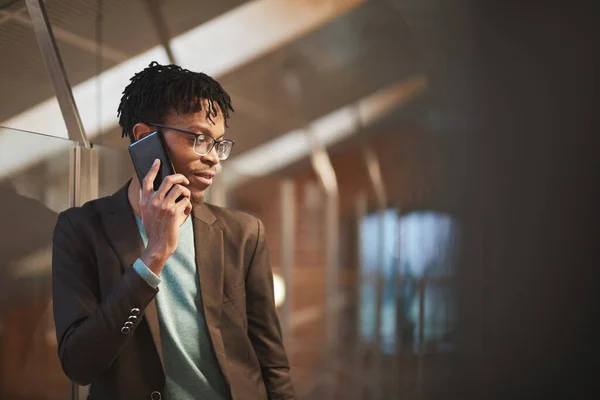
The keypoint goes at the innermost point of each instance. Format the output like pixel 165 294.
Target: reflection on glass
pixel 34 187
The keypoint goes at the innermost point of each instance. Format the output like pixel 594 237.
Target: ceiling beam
pixel 252 30
pixel 7 16
pixel 68 37
pixel 216 47
pixel 162 28
pixel 330 129
pixel 56 70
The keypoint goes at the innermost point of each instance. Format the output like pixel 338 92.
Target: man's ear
pixel 141 130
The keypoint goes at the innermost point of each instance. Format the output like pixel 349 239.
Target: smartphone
pixel 145 151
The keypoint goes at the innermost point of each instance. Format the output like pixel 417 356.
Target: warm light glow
pixel 279 287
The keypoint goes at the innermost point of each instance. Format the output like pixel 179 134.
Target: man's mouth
pixel 205 177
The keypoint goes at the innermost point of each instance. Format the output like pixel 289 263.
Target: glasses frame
pixel 197 135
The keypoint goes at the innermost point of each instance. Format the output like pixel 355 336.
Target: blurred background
pixel 425 170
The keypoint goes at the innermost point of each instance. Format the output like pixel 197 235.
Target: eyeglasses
pixel 203 144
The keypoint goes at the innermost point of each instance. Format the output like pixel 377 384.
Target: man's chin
pixel 197 197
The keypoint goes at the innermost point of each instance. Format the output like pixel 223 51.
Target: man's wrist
pixel 154 260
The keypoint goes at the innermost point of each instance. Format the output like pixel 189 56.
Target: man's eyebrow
pixel 204 130
pixel 198 129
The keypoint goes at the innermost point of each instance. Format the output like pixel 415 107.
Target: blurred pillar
pixel 374 170
pixel 84 175
pixel 421 336
pixel 58 76
pixel 322 166
pixel 82 188
pixel 356 389
pixel 288 230
pixel 397 282
pixel 324 169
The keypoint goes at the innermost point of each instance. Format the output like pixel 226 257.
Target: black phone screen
pixel 145 151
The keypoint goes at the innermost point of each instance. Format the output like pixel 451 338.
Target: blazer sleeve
pixel 263 324
pixel 90 331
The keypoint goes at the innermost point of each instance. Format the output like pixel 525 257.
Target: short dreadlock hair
pixel 159 89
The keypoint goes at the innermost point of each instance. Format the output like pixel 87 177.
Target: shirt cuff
pixel 150 277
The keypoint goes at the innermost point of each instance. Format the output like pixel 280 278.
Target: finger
pixel 148 183
pixel 176 192
pixel 169 182
pixel 183 210
pixel 185 206
pixel 143 199
pixel 188 208
pixel 184 203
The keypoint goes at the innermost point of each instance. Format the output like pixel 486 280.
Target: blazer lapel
pixel 123 233
pixel 208 243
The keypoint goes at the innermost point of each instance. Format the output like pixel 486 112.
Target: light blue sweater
pixel 191 367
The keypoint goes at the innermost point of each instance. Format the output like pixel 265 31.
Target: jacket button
pixel 132 318
pixel 155 395
pixel 135 311
pixel 125 330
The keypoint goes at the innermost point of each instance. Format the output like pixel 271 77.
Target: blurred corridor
pixel 423 169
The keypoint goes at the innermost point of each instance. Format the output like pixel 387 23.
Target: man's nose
pixel 212 157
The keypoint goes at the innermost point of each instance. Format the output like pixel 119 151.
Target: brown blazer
pixel 96 293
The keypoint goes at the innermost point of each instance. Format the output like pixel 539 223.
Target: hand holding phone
pixel 143 153
pixel 162 215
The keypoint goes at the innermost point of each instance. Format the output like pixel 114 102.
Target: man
pixel 162 299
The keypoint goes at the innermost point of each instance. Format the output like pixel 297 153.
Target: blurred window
pixel 418 248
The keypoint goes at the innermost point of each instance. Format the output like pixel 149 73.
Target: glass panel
pixel 114 169
pixel 34 188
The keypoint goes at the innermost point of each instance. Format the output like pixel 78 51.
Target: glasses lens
pixel 224 148
pixel 203 145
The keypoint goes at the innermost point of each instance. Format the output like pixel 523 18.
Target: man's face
pixel 199 170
